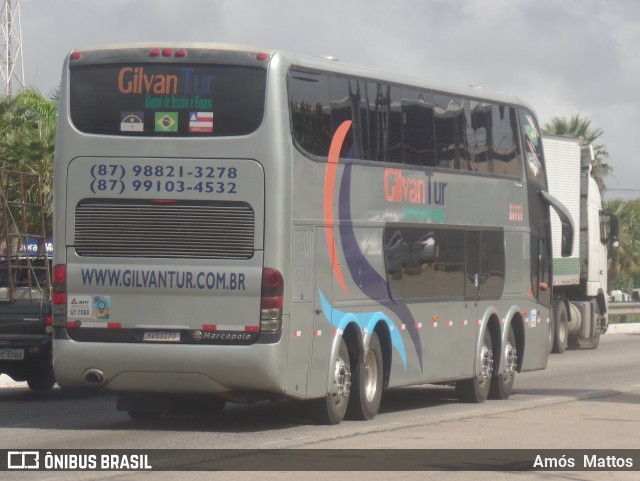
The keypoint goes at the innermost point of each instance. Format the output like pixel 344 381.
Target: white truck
pixel 580 301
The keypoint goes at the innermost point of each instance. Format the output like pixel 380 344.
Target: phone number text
pixel 118 179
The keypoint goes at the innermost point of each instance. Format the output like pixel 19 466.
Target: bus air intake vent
pixel 176 230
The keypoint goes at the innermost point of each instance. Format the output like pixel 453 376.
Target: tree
pixel 624 265
pixel 580 128
pixel 27 139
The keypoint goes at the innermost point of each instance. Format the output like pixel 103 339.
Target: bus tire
pixel 476 389
pixel 332 408
pixel 503 379
pixel 560 327
pixel 366 392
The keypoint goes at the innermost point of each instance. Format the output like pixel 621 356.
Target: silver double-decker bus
pixel 237 224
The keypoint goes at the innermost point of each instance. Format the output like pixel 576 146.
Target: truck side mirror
pixel 614 230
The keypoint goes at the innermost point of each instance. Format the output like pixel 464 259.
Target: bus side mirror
pixel 566 248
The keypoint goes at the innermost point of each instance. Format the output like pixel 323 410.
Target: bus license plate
pixel 11 354
pixel 161 336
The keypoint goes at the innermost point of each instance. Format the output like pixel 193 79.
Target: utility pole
pixel 11 64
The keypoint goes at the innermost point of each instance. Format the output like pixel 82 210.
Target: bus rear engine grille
pixel 178 230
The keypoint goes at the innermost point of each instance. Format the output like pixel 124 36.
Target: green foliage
pixel 27 139
pixel 624 266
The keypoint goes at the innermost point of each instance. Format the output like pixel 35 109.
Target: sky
pixel 563 57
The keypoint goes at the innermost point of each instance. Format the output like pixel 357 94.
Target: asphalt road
pixel 583 400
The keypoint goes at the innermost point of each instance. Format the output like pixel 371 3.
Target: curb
pixel 6 381
pixel 624 328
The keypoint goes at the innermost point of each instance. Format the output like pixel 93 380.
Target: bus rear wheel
pixel 333 407
pixel 502 381
pixel 367 383
pixel 476 389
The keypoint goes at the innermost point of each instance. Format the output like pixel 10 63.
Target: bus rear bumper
pixel 181 369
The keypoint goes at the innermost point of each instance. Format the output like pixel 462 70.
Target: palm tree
pixel 580 128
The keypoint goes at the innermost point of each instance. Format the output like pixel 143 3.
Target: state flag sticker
pixel 132 121
pixel 201 122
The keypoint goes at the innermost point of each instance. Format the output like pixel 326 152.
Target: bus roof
pixel 320 63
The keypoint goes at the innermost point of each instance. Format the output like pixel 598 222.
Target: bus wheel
pixel 560 327
pixel 367 383
pixel 476 390
pixel 502 381
pixel 333 406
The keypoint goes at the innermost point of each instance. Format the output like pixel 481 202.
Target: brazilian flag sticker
pixel 166 121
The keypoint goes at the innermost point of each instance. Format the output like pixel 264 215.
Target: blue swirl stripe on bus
pixel 371 282
pixel 365 320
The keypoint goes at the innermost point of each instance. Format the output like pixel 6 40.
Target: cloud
pixel 564 58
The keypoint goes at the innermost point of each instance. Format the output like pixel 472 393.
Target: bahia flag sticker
pixel 201 122
pixel 132 121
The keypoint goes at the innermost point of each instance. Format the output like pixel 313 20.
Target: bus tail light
pixel 60 295
pixel 271 300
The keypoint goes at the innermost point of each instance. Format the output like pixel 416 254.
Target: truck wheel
pixel 367 383
pixel 552 333
pixel 502 381
pixel 476 389
pixel 560 327
pixel 42 381
pixel 592 342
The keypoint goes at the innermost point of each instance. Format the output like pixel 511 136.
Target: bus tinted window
pixel 532 140
pixel 425 262
pixel 418 131
pixel 310 106
pixel 167 99
pixel 405 125
pixel 505 141
pixel 344 100
pixel 450 125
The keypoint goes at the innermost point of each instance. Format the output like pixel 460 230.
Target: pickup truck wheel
pixel 42 381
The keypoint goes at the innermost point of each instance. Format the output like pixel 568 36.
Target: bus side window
pixel 310 118
pixel 450 122
pixel 418 127
pixel 478 130
pixel 505 141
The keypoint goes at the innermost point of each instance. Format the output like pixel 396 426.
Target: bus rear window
pixel 167 100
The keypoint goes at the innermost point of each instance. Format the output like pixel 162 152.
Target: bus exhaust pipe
pixel 95 377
